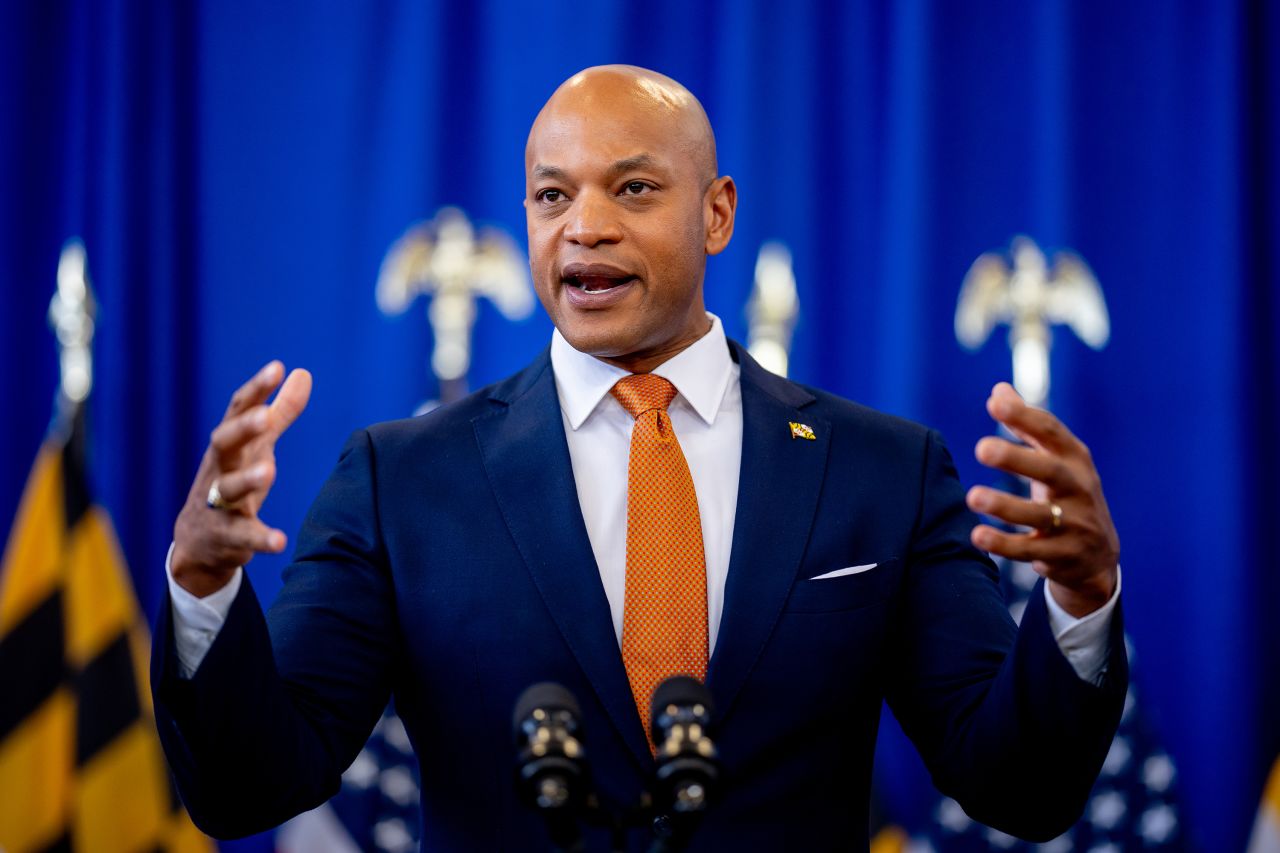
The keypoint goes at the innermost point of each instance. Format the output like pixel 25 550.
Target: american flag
pixel 1133 805
pixel 377 808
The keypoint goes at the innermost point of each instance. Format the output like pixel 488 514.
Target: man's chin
pixel 594 339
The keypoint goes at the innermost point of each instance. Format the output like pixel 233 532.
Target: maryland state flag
pixel 1266 829
pixel 80 762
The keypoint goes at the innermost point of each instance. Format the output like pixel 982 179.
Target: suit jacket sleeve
pixel 276 712
pixel 1003 722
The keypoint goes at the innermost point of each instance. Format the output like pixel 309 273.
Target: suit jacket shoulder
pixel 453 420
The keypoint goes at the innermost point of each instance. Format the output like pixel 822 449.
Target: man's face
pixel 619 210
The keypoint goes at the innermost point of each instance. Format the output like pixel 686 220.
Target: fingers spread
pixel 240 538
pixel 1023 547
pixel 256 536
pixel 1026 461
pixel 230 436
pixel 1037 426
pixel 1009 508
pixel 256 390
pixel 237 485
pixel 218 540
pixel 291 400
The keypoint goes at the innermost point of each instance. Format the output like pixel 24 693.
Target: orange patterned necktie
pixel 664 614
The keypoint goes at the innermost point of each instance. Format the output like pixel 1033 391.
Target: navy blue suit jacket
pixel 446 562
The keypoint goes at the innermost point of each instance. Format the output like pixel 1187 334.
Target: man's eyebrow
pixel 553 172
pixel 629 164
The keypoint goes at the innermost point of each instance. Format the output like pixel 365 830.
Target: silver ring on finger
pixel 214 500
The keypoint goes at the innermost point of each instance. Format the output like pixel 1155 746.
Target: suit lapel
pixel 777 497
pixel 527 459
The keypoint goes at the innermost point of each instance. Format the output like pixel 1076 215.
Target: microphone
pixel 551 771
pixel 688 765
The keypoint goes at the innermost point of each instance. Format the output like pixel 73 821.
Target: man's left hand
pixel 1072 541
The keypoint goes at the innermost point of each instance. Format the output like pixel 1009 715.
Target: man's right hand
pixel 210 544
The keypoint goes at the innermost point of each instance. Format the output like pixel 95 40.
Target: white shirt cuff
pixel 196 621
pixel 1085 642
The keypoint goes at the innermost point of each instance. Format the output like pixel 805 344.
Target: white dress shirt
pixel 706 415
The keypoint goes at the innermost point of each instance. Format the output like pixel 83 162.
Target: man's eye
pixel 551 196
pixel 636 188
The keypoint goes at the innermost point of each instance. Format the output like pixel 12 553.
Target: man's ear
pixel 721 204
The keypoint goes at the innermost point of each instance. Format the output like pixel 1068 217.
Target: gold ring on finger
pixel 1055 518
pixel 215 499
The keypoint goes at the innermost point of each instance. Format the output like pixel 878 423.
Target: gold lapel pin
pixel 802 431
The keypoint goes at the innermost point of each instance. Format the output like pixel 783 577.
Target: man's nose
pixel 593 220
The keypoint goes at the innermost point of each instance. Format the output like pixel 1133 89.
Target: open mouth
pixel 595 286
pixel 597 283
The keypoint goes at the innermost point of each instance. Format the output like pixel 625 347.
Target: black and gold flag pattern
pixel 80 762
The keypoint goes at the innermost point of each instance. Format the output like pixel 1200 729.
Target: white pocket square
pixel 848 570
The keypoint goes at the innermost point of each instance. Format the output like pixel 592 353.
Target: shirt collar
pixel 700 372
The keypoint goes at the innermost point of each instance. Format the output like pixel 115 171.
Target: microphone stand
pixel 674 839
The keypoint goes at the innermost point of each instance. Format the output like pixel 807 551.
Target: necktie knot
pixel 643 392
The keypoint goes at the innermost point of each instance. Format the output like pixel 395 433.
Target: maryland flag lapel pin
pixel 802 431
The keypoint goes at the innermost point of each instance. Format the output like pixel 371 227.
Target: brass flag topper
pixel 772 308
pixel 71 314
pixel 1031 297
pixel 446 260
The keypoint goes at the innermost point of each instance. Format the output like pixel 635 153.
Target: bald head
pixel 641 95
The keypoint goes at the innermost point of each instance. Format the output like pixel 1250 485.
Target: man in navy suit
pixel 453 559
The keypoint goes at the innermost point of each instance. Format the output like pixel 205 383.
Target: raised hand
pixel 1071 540
pixel 218 529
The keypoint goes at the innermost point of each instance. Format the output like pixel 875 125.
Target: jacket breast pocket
pixel 844 591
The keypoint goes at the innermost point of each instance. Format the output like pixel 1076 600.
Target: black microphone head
pixel 551 774
pixel 688 769
pixel 546 695
pixel 680 691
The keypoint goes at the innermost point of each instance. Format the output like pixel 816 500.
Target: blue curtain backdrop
pixel 238 170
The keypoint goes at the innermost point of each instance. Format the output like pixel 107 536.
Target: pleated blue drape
pixel 238 170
